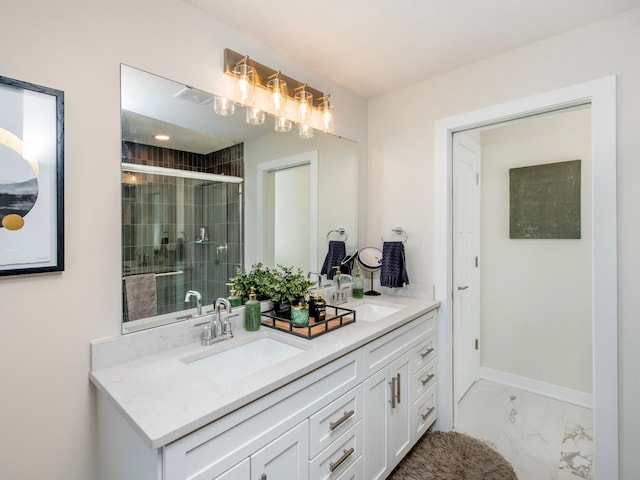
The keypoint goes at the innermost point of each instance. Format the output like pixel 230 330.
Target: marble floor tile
pixel 543 438
pixel 485 409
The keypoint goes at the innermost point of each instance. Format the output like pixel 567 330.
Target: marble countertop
pixel 164 398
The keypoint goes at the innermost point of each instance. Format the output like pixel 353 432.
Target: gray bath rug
pixel 452 456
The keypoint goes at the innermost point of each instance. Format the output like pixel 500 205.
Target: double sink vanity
pixel 266 405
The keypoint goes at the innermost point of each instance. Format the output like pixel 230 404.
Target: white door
pixel 466 263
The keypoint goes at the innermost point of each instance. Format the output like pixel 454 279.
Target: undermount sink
pixel 372 310
pixel 243 360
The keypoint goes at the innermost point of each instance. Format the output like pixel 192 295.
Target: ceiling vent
pixel 194 95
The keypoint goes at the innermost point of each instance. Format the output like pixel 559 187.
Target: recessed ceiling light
pixel 161 137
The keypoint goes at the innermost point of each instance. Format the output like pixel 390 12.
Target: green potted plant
pixel 259 277
pixel 289 287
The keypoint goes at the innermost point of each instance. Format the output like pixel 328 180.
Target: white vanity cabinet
pixel 353 418
pixel 392 398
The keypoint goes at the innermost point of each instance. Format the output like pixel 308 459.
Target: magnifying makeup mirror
pixel 370 259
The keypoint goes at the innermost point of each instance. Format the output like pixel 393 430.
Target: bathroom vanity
pixel 265 405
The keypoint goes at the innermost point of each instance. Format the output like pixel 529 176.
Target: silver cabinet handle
pixel 463 288
pixel 346 416
pixel 429 377
pixel 345 454
pixel 263 476
pixel 429 412
pixel 398 386
pixel 427 352
pixel 393 392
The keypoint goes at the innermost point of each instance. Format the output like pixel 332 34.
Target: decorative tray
pixel 336 317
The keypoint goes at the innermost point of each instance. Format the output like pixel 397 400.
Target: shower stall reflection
pixel 181 230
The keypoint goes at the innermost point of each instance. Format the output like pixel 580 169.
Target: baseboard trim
pixel 568 395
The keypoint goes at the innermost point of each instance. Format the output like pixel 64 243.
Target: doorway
pixel 600 94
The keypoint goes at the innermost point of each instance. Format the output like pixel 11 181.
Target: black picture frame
pixel 31 178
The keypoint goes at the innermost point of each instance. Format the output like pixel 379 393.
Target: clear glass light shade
pixel 254 116
pixel 282 124
pixel 245 76
pixel 278 89
pixel 327 117
pixel 223 106
pixel 305 104
pixel 305 131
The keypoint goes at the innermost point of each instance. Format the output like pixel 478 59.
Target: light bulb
pixel 245 83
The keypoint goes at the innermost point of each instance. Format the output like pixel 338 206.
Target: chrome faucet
pixel 216 330
pixel 216 325
pixel 317 275
pixel 193 293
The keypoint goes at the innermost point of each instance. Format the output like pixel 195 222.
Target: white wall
pixel 536 294
pixel 401 139
pixel 48 405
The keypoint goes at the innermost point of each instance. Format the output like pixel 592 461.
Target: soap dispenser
pixel 234 299
pixel 357 290
pixel 252 312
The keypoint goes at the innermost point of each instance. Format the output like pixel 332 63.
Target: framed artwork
pixel 544 201
pixel 31 178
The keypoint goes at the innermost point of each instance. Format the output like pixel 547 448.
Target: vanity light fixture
pixel 312 106
pixel 327 114
pixel 223 106
pixel 282 124
pixel 278 88
pixel 254 116
pixel 305 131
pixel 305 103
pixel 245 76
pixel 162 137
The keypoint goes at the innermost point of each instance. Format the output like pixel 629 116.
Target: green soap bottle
pixel 252 312
pixel 357 290
pixel 234 299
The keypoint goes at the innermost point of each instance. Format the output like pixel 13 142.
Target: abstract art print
pixel 31 178
pixel 544 201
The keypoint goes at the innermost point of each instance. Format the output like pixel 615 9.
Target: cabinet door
pixel 399 416
pixel 241 471
pixel 377 412
pixel 287 457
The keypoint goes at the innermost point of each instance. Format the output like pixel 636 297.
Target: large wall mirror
pixel 218 195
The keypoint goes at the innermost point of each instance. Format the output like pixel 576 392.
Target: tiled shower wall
pixel 162 217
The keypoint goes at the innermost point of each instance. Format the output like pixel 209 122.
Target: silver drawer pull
pixel 263 476
pixel 427 352
pixel 429 412
pixel 463 288
pixel 346 416
pixel 393 392
pixel 345 454
pixel 426 380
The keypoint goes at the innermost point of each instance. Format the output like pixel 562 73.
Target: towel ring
pixel 401 233
pixel 339 231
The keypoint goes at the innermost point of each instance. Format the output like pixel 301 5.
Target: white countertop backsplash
pixel 164 398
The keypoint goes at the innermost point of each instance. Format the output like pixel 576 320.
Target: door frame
pixel 601 95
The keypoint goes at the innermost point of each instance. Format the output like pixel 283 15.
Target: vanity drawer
pixel 423 379
pixel 387 348
pixel 333 420
pixel 424 353
pixel 424 413
pixel 355 471
pixel 333 461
